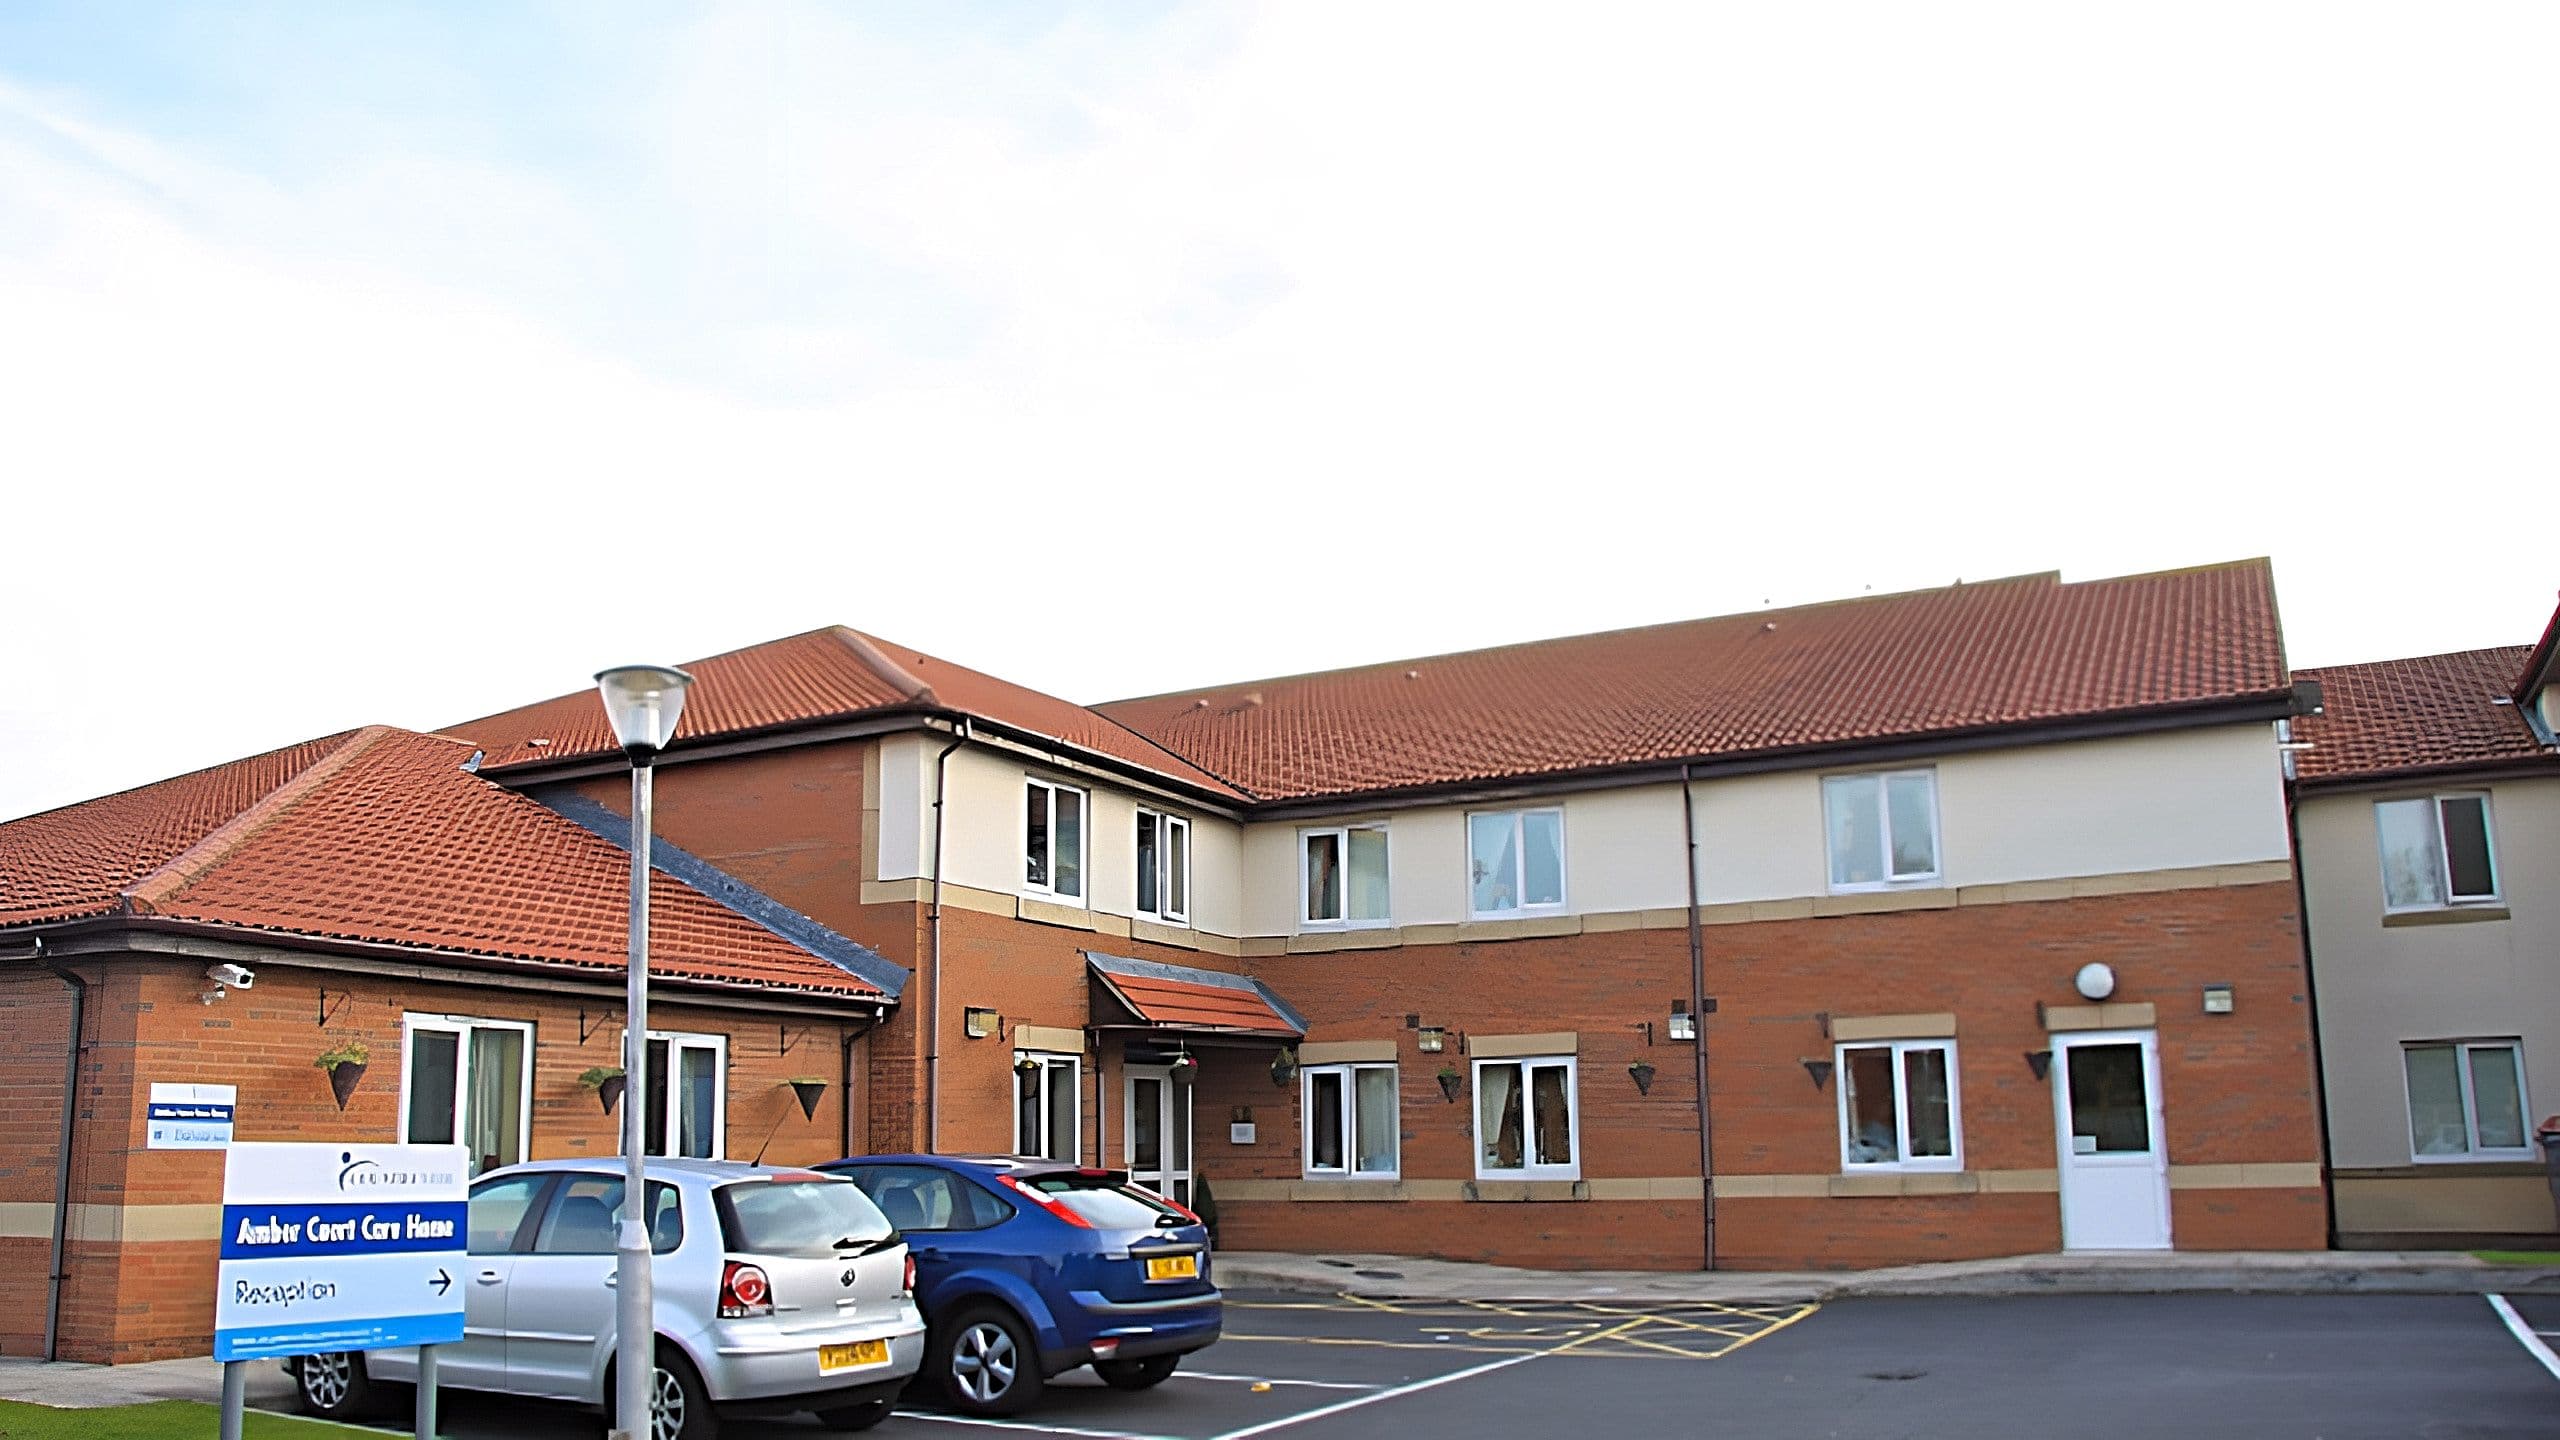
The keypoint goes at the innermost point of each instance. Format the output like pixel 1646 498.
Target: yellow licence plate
pixel 832 1358
pixel 1174 1267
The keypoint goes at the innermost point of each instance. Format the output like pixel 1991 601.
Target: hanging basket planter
pixel 1642 1073
pixel 608 1082
pixel 807 1092
pixel 345 1064
pixel 1450 1080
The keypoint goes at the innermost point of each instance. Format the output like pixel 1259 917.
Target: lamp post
pixel 643 702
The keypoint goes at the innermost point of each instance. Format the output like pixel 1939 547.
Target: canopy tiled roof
pixel 379 836
pixel 815 678
pixel 1183 998
pixel 1970 656
pixel 2430 712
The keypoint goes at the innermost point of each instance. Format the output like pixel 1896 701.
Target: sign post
pixel 339 1247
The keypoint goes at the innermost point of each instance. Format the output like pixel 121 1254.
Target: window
pixel 1883 828
pixel 1898 1106
pixel 2436 852
pixel 1045 1118
pixel 1525 1120
pixel 586 1215
pixel 497 1212
pixel 918 1197
pixel 467 1082
pixel 697 1067
pixel 2466 1100
pixel 1164 866
pixel 1515 861
pixel 1349 1115
pixel 1053 839
pixel 1344 871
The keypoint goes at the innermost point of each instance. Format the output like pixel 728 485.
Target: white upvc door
pixel 2114 1151
pixel 1156 1142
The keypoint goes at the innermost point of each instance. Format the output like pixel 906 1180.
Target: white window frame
pixel 1084 841
pixel 1349 1169
pixel 460 1027
pixel 1883 780
pixel 1953 1160
pixel 1529 1169
pixel 1051 1062
pixel 2470 1104
pixel 1519 863
pixel 1173 836
pixel 677 1040
pixel 1342 843
pixel 2444 853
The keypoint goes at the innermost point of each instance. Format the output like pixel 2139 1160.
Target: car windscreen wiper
pixel 860 1246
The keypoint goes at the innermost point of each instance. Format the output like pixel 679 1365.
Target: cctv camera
pixel 238 977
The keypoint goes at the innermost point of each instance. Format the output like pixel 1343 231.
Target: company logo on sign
pixel 356 1174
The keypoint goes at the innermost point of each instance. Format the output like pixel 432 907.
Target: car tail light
pixel 1105 1349
pixel 907 1281
pixel 1045 1201
pixel 744 1291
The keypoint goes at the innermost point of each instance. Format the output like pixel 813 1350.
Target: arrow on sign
pixel 442 1282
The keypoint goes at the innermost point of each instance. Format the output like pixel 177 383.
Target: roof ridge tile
pixel 147 895
pixel 906 682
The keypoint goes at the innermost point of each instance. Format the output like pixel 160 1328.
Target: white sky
pixel 409 365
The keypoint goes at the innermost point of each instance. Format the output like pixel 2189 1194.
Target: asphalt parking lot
pixel 2191 1365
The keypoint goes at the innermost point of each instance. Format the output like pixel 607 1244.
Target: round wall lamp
pixel 2096 981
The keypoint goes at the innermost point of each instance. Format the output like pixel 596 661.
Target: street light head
pixel 643 702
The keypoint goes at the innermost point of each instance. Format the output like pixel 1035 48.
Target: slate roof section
pixel 1969 657
pixel 1181 997
pixel 379 837
pixel 2416 716
pixel 814 679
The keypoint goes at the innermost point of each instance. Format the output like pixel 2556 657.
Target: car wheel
pixel 1136 1374
pixel 984 1362
pixel 856 1417
pixel 334 1386
pixel 679 1406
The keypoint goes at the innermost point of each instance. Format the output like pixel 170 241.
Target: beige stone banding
pixel 1503 1047
pixel 1906 1182
pixel 1049 912
pixel 1054 1039
pixel 2062 1019
pixel 1346 1052
pixel 1673 1187
pixel 1520 1190
pixel 2452 915
pixel 114 1224
pixel 2262 1175
pixel 1936 1026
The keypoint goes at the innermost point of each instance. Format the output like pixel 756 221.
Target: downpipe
pixel 933 962
pixel 56 1270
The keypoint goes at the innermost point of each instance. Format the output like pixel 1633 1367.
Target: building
pixel 1977 902
pixel 2428 808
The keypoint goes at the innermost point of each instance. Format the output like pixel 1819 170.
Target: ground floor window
pixel 1046 1120
pixel 1349 1119
pixel 693 1069
pixel 1898 1105
pixel 467 1081
pixel 1525 1119
pixel 2466 1100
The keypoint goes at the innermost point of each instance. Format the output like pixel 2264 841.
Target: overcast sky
pixel 378 363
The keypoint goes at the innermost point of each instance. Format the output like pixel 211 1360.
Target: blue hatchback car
pixel 1026 1268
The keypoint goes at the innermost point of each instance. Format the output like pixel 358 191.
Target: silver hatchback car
pixel 777 1290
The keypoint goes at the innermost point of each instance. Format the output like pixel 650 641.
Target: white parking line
pixel 2525 1335
pixel 1268 1380
pixel 1037 1429
pixel 1357 1401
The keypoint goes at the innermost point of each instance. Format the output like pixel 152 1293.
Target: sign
pixel 191 1117
pixel 340 1247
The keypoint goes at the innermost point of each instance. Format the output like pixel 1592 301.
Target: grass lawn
pixel 2519 1257
pixel 159 1420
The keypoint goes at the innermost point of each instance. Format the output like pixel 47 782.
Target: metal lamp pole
pixel 643 702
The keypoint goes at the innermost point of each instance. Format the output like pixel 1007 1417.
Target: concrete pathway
pixel 80 1387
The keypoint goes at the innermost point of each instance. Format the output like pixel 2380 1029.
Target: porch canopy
pixel 1185 1003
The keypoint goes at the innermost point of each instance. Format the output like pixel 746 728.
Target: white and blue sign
pixel 340 1247
pixel 191 1117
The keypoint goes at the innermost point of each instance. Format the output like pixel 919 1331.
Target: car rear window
pixel 797 1216
pixel 1104 1201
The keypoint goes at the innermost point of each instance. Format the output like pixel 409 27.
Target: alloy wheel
pixel 666 1406
pixel 327 1378
pixel 982 1364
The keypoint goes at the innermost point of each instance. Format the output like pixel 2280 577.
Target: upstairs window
pixel 2466 1101
pixel 2436 852
pixel 1053 839
pixel 1343 875
pixel 1883 828
pixel 1515 862
pixel 1164 866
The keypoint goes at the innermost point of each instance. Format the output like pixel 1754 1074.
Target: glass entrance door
pixel 1157 1139
pixel 2115 1162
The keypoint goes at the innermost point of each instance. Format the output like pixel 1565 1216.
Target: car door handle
pixel 612 1282
pixel 490 1277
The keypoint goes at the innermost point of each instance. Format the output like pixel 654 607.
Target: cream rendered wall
pixel 905 803
pixel 2382 985
pixel 2096 807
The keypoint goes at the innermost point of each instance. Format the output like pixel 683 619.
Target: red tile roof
pixel 1999 653
pixel 380 837
pixel 812 679
pixel 1220 1004
pixel 2433 712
